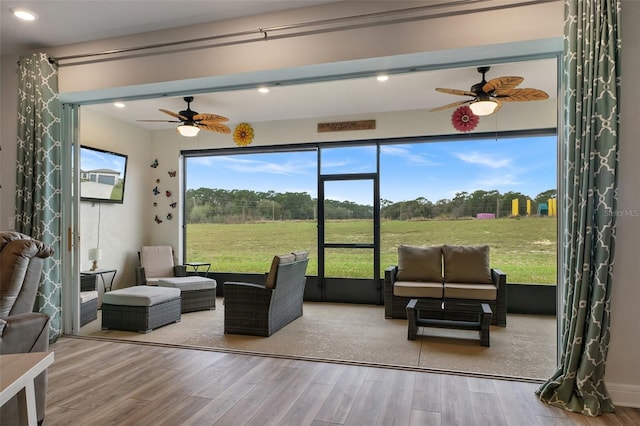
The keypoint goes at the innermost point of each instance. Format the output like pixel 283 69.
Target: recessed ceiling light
pixel 382 77
pixel 24 14
pixel 119 104
pixel 263 89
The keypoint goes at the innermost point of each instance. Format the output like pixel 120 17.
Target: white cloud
pixel 482 159
pixel 254 166
pixel 406 154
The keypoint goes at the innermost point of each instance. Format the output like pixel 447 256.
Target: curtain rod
pixel 263 32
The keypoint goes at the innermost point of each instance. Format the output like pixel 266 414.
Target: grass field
pixel 524 248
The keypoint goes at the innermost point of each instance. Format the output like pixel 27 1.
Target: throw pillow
pixel 466 264
pixel 280 259
pixel 419 263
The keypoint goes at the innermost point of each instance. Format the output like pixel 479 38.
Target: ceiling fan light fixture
pixel 482 108
pixel 188 130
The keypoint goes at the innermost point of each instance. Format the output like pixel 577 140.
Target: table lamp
pixel 95 254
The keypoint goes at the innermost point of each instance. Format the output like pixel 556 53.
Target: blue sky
pixel 91 160
pixel 431 170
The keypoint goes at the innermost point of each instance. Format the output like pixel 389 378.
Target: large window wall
pixel 241 209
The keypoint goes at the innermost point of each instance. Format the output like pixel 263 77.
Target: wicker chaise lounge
pixel 263 309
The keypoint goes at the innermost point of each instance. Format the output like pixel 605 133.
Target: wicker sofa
pixel 455 275
pixel 263 309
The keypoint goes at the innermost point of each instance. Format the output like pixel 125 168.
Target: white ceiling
pixel 73 21
pixel 402 92
pixel 63 22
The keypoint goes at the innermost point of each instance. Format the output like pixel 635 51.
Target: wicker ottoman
pixel 88 307
pixel 140 308
pixel 197 293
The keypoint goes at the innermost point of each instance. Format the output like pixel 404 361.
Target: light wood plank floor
pixel 95 382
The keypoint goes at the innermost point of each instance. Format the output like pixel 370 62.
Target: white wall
pixel 123 227
pixel 446 40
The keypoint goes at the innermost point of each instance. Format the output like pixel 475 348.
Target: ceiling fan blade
pixel 455 104
pixel 508 82
pixel 215 127
pixel 521 95
pixel 455 92
pixel 160 121
pixel 209 117
pixel 173 114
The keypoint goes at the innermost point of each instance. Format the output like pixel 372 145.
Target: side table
pixel 196 265
pixel 18 374
pixel 101 273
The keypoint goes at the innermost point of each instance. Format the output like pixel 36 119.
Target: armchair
pixel 263 309
pixel 21 329
pixel 156 262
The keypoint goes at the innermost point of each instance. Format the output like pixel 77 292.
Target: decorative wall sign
pixel 343 126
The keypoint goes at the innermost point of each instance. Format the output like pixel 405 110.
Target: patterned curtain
pixel 591 72
pixel 38 177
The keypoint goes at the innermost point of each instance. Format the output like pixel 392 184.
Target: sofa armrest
pixel 500 280
pixel 25 333
pixel 180 270
pixel 141 278
pixel 390 274
pixel 234 291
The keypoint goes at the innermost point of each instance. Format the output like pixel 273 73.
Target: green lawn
pixel 524 248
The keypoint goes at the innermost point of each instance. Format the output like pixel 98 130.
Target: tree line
pixel 207 205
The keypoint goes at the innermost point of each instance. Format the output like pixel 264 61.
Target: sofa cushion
pixel 142 295
pixel 420 263
pixel 190 283
pixel 300 255
pixel 279 259
pixel 416 289
pixel 470 291
pixel 466 264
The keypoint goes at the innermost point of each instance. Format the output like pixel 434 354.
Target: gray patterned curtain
pixel 591 72
pixel 38 177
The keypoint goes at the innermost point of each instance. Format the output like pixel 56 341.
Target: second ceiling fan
pixel 487 96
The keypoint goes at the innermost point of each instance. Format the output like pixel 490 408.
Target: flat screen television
pixel 102 175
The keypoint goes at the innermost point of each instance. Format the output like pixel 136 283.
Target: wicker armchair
pixel 263 309
pixel 156 262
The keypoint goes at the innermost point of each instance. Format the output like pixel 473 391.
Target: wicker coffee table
pixel 471 316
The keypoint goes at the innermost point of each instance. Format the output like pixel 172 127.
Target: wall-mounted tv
pixel 102 175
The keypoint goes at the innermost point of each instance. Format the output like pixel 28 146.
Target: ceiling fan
pixel 487 96
pixel 192 121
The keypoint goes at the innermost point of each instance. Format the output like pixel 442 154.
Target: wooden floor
pixel 108 383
